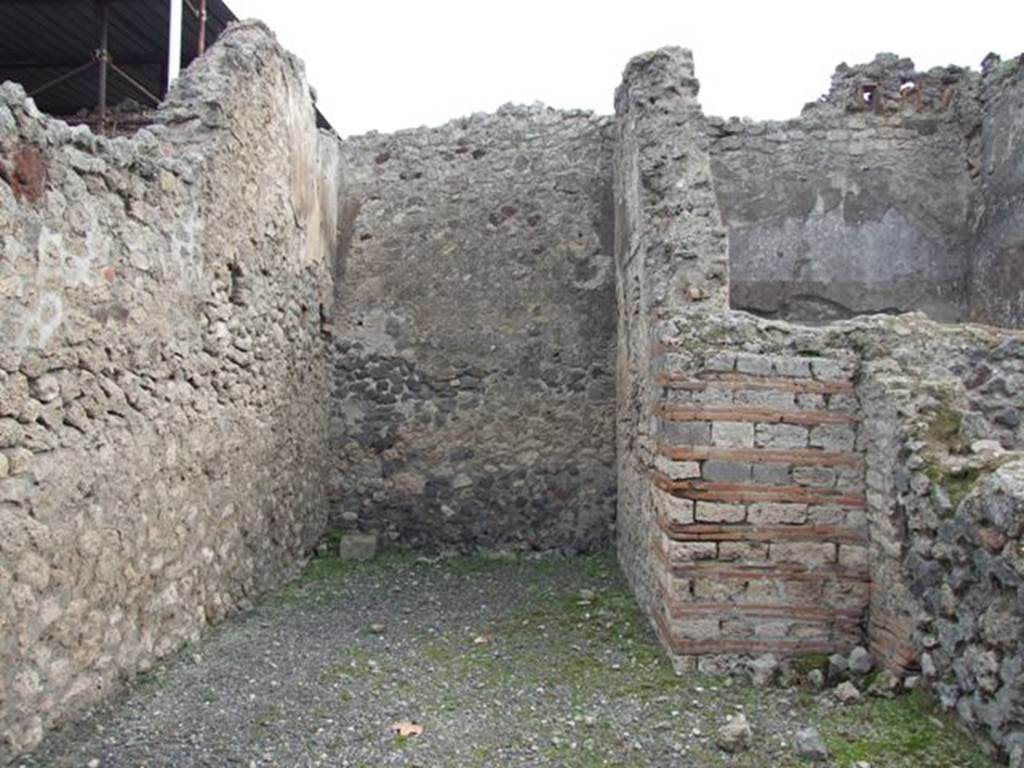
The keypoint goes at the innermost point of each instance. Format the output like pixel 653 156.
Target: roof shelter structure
pixel 81 60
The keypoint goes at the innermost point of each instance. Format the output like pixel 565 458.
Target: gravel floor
pixel 529 662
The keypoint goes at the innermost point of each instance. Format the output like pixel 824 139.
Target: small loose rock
pixel 860 662
pixel 810 746
pixel 885 685
pixel 847 693
pixel 736 735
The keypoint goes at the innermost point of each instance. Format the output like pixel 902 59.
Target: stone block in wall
pixel 781 436
pixel 832 437
pixel 777 514
pixel 690 551
pixel 804 552
pixel 822 477
pixel 757 365
pixel 727 471
pixel 677 470
pixel 673 509
pixel 773 474
pixel 799 367
pixel 711 512
pixel 732 434
pixel 771 399
pixel 686 433
pixel 745 551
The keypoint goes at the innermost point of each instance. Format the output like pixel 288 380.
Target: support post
pixel 103 54
pixel 202 27
pixel 174 42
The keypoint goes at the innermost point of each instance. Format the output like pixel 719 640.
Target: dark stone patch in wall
pixel 414 473
pixel 474 390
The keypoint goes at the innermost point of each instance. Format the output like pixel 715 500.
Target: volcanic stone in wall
pixel 474 391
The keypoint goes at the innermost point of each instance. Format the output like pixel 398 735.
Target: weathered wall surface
pixel 474 394
pixel 856 207
pixel 670 256
pixel 182 406
pixel 907 536
pixel 790 488
pixel 997 258
pixel 760 498
pixel 943 439
pixel 163 378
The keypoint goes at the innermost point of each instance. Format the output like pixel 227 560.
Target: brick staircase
pixel 758 491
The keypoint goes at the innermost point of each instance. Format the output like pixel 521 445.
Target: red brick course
pixel 747 493
pixel 734 580
pixel 741 381
pixel 798 456
pixel 743 532
pixel 757 415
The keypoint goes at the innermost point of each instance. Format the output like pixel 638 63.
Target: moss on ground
pixel 598 645
pixel 905 731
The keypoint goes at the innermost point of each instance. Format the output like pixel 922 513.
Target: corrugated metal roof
pixel 43 40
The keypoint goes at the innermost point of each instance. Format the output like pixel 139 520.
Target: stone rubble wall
pixel 996 130
pixel 163 373
pixel 670 254
pixel 944 440
pixel 474 393
pixel 789 488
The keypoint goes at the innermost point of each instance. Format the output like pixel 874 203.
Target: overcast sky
pixel 389 64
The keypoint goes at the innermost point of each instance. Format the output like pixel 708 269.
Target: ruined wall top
pixel 891 83
pixel 652 76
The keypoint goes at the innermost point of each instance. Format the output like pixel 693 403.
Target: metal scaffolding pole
pixel 174 42
pixel 202 27
pixel 103 55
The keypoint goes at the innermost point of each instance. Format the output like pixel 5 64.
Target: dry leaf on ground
pixel 406 729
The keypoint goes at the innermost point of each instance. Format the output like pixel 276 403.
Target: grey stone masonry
pixel 670 255
pixel 163 373
pixel 899 190
pixel 845 479
pixel 474 393
pixel 779 521
pixel 534 329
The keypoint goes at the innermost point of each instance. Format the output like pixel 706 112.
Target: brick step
pixel 741 382
pixel 760 415
pixel 746 493
pixel 798 456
